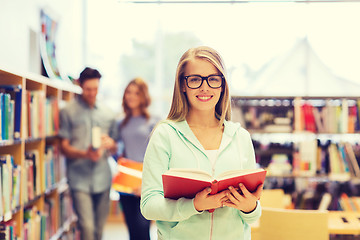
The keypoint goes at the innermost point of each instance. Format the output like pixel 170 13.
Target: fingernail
pixel 241 184
pixel 230 187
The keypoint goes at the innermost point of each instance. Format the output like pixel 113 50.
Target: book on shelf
pixel 17 93
pixel 346 203
pixel 344 117
pixel 11 119
pixel 29 181
pixel 6 164
pixel 33 174
pixel 309 119
pixel 353 121
pixel 1 196
pixel 49 168
pixel 184 182
pixel 325 202
pixel 5 116
pixel 1 115
pixel 51 116
pixel 7 230
pixel 356 202
pixel 298 115
pixel 35 101
pixel 307 161
pixel 338 165
pixel 352 159
pixel 10 105
pixel 32 223
pixel 129 175
pixel 16 178
pixel 319 123
pixel 50 214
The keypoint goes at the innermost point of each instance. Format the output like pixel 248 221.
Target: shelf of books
pixel 309 145
pixel 35 202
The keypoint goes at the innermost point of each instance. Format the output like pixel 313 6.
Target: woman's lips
pixel 204 98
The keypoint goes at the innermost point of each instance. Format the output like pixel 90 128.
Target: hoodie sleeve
pixel 246 142
pixel 153 204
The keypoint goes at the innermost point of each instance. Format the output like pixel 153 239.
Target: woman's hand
pixel 204 201
pixel 246 201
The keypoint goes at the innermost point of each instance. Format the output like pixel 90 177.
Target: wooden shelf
pixel 44 169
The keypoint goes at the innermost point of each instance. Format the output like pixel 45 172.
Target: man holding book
pixel 85 129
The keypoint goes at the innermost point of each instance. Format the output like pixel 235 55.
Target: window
pixel 269 48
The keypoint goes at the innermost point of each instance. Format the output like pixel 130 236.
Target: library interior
pixel 294 77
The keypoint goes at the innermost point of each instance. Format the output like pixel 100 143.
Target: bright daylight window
pixel 269 48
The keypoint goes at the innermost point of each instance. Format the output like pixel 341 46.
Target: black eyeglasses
pixel 195 81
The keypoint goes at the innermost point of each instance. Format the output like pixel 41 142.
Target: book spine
pixel 214 187
pixel 17 120
pixel 5 116
pixel 1 114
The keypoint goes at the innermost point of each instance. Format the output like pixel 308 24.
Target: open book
pixel 183 182
pixel 129 176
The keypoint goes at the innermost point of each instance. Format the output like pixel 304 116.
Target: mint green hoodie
pixel 173 145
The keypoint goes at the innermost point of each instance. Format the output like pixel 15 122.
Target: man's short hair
pixel 88 73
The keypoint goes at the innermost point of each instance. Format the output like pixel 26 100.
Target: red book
pixel 309 118
pixel 181 182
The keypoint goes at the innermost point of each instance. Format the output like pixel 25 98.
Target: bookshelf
pixel 309 145
pixel 35 202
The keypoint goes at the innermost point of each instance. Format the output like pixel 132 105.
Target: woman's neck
pixel 202 119
pixel 136 112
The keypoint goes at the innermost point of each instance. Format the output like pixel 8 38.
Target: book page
pixel 189 173
pixel 235 173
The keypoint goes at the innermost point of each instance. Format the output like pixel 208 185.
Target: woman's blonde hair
pixel 145 99
pixel 180 105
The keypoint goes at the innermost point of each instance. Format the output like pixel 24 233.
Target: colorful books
pixel 10 106
pixel 179 182
pixel 128 178
pixel 6 166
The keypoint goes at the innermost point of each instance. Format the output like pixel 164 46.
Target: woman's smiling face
pixel 203 98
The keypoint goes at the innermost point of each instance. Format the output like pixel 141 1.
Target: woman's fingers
pixel 244 190
pixel 235 194
pixel 258 191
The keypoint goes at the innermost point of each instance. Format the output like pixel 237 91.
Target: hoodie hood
pixel 182 127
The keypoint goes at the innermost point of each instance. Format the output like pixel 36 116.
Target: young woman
pixel 134 132
pixel 198 134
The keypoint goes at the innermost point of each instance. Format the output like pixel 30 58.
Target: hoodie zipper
pixel 212 214
pixel 211 225
pixel 198 164
pixel 212 174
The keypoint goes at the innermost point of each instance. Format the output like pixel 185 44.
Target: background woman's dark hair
pixel 88 73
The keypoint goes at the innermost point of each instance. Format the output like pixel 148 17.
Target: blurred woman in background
pixel 134 130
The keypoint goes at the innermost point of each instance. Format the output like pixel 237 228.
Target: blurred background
pixel 270 48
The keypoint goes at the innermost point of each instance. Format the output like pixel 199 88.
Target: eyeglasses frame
pixel 204 79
